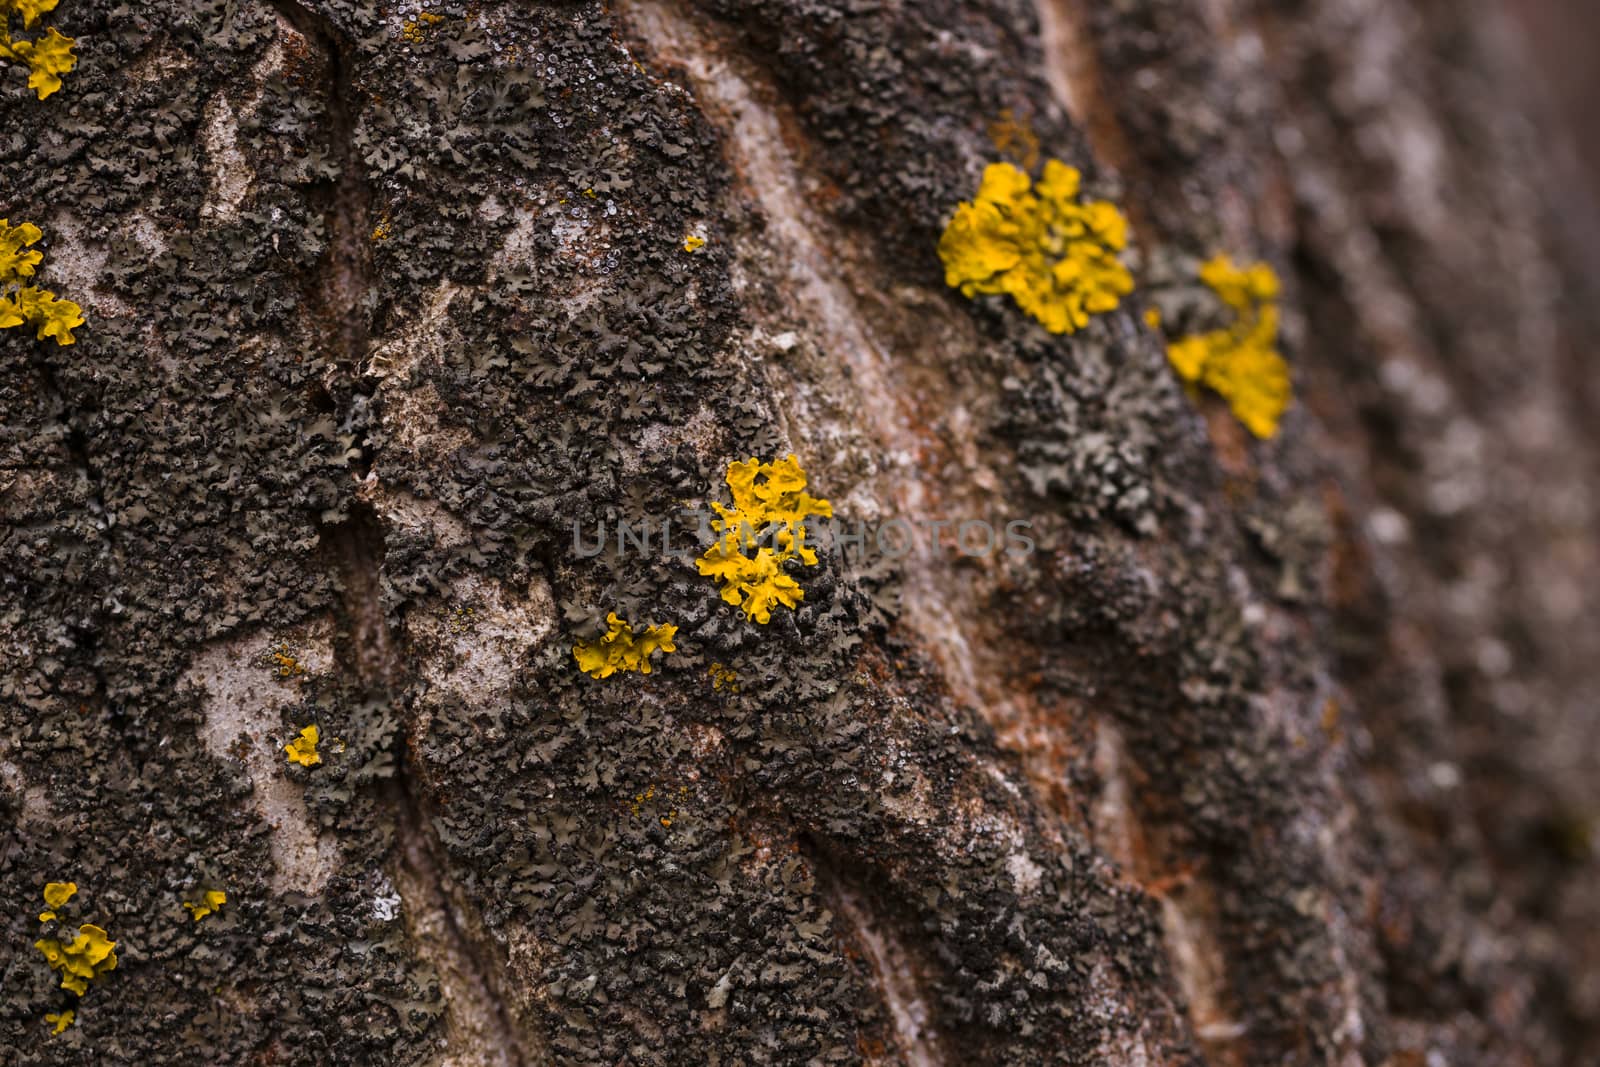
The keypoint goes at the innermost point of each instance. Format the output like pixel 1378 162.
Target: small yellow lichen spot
pixel 693 242
pixel 724 678
pixel 620 649
pixel 416 30
pixel 1152 318
pixel 83 960
pixel 22 304
pixel 1240 362
pixel 1050 251
pixel 462 619
pixel 210 901
pixel 383 230
pixel 60 1020
pixel 284 663
pixel 303 749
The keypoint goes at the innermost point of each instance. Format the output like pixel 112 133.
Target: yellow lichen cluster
pixel 416 30
pixel 47 57
pixel 649 796
pixel 763 530
pixel 1240 362
pixel 620 649
pixel 23 304
pixel 723 677
pixel 82 960
pixel 284 662
pixel 303 749
pixel 210 902
pixel 693 242
pixel 1053 253
pixel 59 1021
pixel 384 229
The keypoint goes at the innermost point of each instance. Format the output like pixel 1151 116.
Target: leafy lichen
pixel 25 304
pixel 208 903
pixel 1240 362
pixel 55 895
pixel 620 649
pixel 303 749
pixel 47 57
pixel 84 959
pixel 762 531
pixel 1052 252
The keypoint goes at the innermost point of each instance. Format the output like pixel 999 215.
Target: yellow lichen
pixel 82 960
pixel 763 530
pixel 283 661
pixel 724 678
pixel 58 893
pixel 1240 362
pixel 210 902
pixel 641 799
pixel 55 895
pixel 693 242
pixel 648 797
pixel 1050 251
pixel 383 230
pixel 416 30
pixel 620 649
pixel 59 1021
pixel 303 749
pixel 24 304
pixel 47 57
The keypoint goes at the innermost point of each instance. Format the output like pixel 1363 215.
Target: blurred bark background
pixel 1273 752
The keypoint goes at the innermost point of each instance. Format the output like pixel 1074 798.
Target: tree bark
pixel 1270 752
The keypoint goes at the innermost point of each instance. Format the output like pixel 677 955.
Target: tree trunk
pixel 1273 751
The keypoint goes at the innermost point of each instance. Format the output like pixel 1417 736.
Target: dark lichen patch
pixel 186 510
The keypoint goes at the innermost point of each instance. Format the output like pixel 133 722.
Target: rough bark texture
pixel 1272 753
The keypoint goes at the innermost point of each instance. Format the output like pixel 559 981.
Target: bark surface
pixel 1275 752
